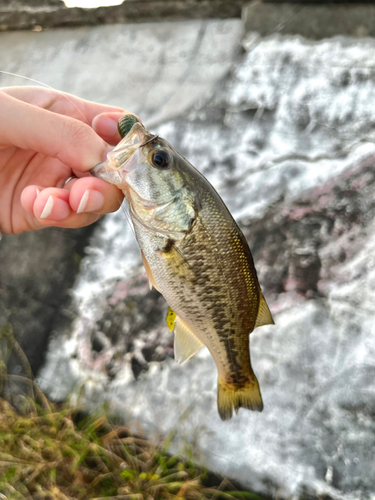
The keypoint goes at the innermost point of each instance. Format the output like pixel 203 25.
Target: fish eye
pixel 160 158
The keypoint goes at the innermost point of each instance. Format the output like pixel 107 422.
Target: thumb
pixel 32 128
pixel 105 125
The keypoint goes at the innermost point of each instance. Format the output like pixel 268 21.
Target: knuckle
pixel 78 139
pixel 76 132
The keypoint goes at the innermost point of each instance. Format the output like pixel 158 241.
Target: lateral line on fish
pixel 227 289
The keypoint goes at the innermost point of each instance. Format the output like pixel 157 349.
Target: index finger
pixel 32 128
pixel 61 102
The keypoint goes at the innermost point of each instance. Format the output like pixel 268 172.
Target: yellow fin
pixel 151 279
pixel 171 319
pixel 230 396
pixel 186 344
pixel 264 314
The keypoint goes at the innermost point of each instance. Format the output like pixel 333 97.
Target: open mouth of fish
pixel 125 156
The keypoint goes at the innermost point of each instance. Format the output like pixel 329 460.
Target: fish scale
pixel 196 256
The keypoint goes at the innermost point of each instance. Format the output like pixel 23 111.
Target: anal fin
pixel 264 314
pixel 186 343
pixel 151 279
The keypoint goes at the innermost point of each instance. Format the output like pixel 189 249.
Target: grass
pixel 50 452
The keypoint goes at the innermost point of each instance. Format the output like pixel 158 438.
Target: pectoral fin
pixel 151 279
pixel 186 344
pixel 176 260
pixel 264 314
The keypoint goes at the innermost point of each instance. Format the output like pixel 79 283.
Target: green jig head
pixel 125 124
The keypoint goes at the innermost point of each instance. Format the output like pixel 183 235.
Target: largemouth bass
pixel 195 255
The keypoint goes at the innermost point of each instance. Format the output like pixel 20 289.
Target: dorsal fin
pixel 151 279
pixel 186 344
pixel 264 314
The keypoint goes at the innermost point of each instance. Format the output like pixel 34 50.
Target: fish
pixel 195 255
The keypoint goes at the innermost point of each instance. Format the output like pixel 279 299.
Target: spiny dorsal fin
pixel 151 279
pixel 186 344
pixel 264 314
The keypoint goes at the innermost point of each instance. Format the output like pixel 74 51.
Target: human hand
pixel 48 143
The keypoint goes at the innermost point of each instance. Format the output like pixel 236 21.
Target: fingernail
pixel 91 201
pixel 83 202
pixel 37 192
pixel 47 208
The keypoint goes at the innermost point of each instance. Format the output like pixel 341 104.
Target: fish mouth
pixel 117 161
pixel 101 171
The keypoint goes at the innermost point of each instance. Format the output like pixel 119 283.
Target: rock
pixel 46 14
pixel 287 140
pixel 302 247
pixel 36 274
pixel 314 20
pixel 132 326
pixel 16 4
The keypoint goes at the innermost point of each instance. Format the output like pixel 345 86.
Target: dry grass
pixel 48 452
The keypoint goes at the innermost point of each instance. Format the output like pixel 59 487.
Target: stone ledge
pixel 311 20
pixel 53 16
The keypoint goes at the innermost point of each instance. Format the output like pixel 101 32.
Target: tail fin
pixel 231 396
